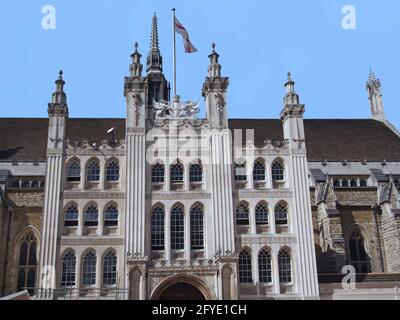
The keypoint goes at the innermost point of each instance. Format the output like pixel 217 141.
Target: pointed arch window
pixel 281 214
pixel 353 183
pixel 363 183
pixel 196 173
pixel 68 272
pixel 112 172
pixel 110 269
pixel 242 214
pixel 158 173
pixel 278 171
pixel 261 213
pixel 111 216
pixel 71 217
pixel 93 171
pixel 240 172
pixel 74 170
pixel 259 171
pixel 177 228
pixel 91 216
pixel 196 227
pixel 177 173
pixel 284 266
pixel 157 228
pixel 264 266
pixel 27 263
pixel 358 255
pixel 245 270
pixel 89 269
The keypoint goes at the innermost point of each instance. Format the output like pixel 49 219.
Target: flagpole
pixel 174 53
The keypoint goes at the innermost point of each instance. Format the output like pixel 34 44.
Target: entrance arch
pixel 182 287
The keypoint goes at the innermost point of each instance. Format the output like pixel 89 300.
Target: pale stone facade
pixel 106 220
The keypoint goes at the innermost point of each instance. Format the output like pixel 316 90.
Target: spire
pixel 136 67
pixel 58 105
pixel 154 59
pixel 214 70
pixel 291 96
pixel 375 97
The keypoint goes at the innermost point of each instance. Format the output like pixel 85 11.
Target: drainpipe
pixel 374 211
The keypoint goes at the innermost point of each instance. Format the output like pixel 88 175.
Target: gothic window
pixel 25 184
pixel 264 266
pixel 15 184
pixel 74 170
pixel 353 183
pixel 240 172
pixel 278 172
pixel 68 269
pixel 27 263
pixel 177 173
pixel 157 173
pixel 242 214
pixel 196 173
pixel 111 216
pixel 259 171
pixel 109 269
pixel 261 214
pixel 71 216
pixel 177 228
pixel 35 184
pixel 89 269
pixel 93 171
pixel 196 227
pixel 157 228
pixel 245 270
pixel 91 216
pixel 281 214
pixel 112 172
pixel 363 183
pixel 336 183
pixel 358 255
pixel 345 183
pixel 284 266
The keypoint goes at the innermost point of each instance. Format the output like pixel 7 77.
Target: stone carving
pixel 176 109
pixel 137 103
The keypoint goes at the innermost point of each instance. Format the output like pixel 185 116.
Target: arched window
pixel 363 183
pixel 91 216
pixel 240 172
pixel 25 184
pixel 35 184
pixel 281 214
pixel 177 173
pixel 177 228
pixel 109 269
pixel 157 173
pixel 27 263
pixel 196 227
pixel 112 172
pixel 111 216
pixel 89 269
pixel 261 213
pixel 259 171
pixel 284 266
pixel 93 171
pixel 242 214
pixel 358 255
pixel 68 271
pixel 245 270
pixel 336 183
pixel 74 170
pixel 345 183
pixel 353 183
pixel 71 216
pixel 15 184
pixel 278 171
pixel 264 266
pixel 196 173
pixel 157 228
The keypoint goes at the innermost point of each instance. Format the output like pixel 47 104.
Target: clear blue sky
pixel 258 40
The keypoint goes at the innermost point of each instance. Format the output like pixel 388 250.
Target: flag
pixel 179 28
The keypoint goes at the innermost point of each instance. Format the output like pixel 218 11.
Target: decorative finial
pixel 289 76
pixel 213 46
pixel 136 46
pixel 60 74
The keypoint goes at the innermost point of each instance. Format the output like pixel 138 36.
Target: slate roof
pixel 25 139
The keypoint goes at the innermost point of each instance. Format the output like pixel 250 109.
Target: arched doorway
pixel 181 291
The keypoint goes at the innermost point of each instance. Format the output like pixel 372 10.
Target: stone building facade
pixel 165 205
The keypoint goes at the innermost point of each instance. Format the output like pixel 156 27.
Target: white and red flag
pixel 179 28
